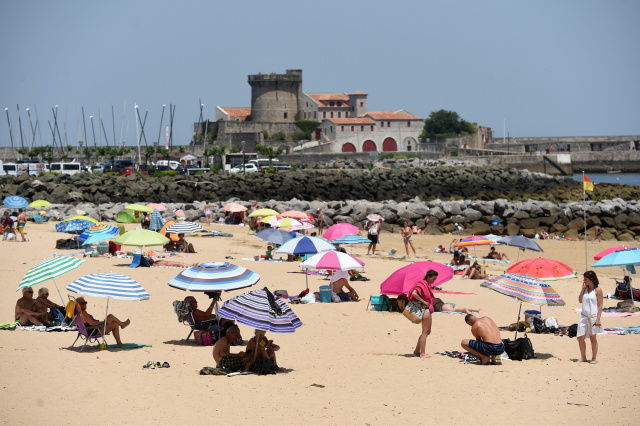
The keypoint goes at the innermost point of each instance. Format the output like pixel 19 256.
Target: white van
pixel 172 164
pixel 65 168
pixel 9 169
pixel 263 163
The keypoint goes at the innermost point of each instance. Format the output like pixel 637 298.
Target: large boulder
pixel 512 229
pixel 577 223
pixel 480 228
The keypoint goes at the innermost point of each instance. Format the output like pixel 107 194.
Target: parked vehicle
pixel 65 168
pixel 130 170
pixel 10 169
pixel 118 165
pixel 170 163
pixel 246 168
pixel 263 163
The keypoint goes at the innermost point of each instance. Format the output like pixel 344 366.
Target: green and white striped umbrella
pixel 49 269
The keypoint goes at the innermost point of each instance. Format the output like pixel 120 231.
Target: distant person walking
pixel 206 211
pixel 22 222
pixel 598 236
pixel 373 229
pixel 406 237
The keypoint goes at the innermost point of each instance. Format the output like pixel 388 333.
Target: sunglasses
pixel 31 291
pixel 83 303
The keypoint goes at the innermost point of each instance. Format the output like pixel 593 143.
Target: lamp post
pixel 93 130
pixel 80 143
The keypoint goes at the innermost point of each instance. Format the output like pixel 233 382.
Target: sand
pixel 346 365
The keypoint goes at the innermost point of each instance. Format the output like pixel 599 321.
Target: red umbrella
pixel 543 269
pixel 603 253
pixel 340 230
pixel 403 280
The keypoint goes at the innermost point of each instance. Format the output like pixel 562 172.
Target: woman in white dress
pixel 589 324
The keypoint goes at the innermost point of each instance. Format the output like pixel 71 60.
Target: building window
pixel 307 104
pixel 339 115
pixel 331 114
pixel 339 103
pixel 353 108
pixel 388 124
pixel 346 114
pixel 382 124
pixel 352 128
pixel 362 128
pixel 331 129
pixel 409 146
pixel 286 114
pixel 408 124
pixel 343 128
pixel 315 114
pixel 330 103
pixel 361 104
pixel 324 114
pixel 372 128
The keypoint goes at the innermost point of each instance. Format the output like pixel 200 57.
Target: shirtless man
pixel 22 221
pixel 205 316
pixel 488 344
pixel 241 361
pixel 28 311
pixel 266 350
pixel 339 280
pixel 320 222
pixel 493 254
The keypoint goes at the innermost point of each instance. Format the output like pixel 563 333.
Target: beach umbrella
pixel 15 202
pixel 543 269
pixel 308 219
pixel 39 203
pixel 156 222
pixel 95 238
pixel 184 228
pixel 48 269
pixel 97 229
pixel 374 217
pixel 138 208
pixel 305 245
pixel 475 240
pixel 403 280
pixel 286 223
pixel 172 237
pixel 493 237
pixel 525 289
pixel 333 261
pixel 603 253
pixel 264 213
pixel 275 236
pixel 90 219
pixel 352 239
pixel 109 285
pixel 156 206
pixel 523 243
pixel 75 226
pixel 270 219
pixel 302 225
pixel 626 258
pixel 340 230
pixel 235 208
pixel 255 310
pixel 294 214
pixel 142 238
pixel 214 276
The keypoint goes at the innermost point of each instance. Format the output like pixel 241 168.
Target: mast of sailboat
pixel 20 127
pixel 10 129
pixel 113 125
pixel 93 130
pixel 161 119
pixel 124 110
pixel 35 107
pixel 33 130
pixel 84 128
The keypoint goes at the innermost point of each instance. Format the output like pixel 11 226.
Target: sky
pixel 543 68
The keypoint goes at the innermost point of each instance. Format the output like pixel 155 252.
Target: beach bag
pixel 373 230
pixel 414 311
pixel 203 338
pixel 551 323
pixel 539 325
pixel 264 366
pixel 572 331
pixel 519 349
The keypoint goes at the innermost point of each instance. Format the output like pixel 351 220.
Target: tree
pixel 269 152
pixel 444 123
pixel 217 152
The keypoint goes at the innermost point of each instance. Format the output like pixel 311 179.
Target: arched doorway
pixel 369 145
pixel 389 144
pixel 348 147
pixel 410 144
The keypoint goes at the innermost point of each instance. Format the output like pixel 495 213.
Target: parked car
pixel 130 170
pixel 282 167
pixel 247 168
pixel 118 166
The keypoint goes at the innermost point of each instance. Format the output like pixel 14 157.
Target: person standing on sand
pixel 206 211
pixel 406 237
pixel 488 344
pixel 22 222
pixel 426 222
pixel 421 292
pixel 373 229
pixel 320 222
pixel 589 324
pixel 598 232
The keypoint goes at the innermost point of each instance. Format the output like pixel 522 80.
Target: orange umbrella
pixel 294 214
pixel 235 207
pixel 543 269
pixel 172 237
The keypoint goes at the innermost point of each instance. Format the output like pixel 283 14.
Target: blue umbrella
pixel 99 237
pixel 305 245
pixel 75 226
pixel 275 236
pixel 352 239
pixel 628 258
pixel 15 202
pixel 215 276
pixel 94 230
pixel 157 221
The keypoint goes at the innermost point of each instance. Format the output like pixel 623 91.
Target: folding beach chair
pixel 91 334
pixel 188 317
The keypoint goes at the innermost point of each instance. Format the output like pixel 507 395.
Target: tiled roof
pixel 352 121
pixel 240 112
pixel 322 98
pixel 359 93
pixel 391 115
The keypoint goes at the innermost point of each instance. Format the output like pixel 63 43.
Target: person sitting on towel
pixel 183 246
pixel 266 348
pixel 28 311
pixel 440 306
pixel 241 361
pixel 493 254
pixel 44 302
pixel 474 273
pixel 339 280
pixel 488 344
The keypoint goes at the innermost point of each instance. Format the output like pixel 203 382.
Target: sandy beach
pixel 346 364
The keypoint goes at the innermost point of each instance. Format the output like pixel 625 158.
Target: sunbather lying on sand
pixel 440 306
pixel 153 262
pixel 493 254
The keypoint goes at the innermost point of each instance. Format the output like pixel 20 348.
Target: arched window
pixel 348 147
pixel 389 145
pixel 369 145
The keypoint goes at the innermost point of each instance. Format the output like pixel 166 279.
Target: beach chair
pixel 139 261
pixel 88 334
pixel 188 317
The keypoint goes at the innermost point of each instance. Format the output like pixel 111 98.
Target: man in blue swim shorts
pixel 488 344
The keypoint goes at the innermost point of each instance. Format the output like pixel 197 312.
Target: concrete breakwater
pixel 617 218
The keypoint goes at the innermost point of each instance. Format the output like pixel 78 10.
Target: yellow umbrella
pixel 139 208
pixel 263 213
pixel 39 203
pixel 83 217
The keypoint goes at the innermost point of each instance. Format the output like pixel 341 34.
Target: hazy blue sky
pixel 550 68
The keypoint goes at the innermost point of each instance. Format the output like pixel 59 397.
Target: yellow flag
pixel 588 185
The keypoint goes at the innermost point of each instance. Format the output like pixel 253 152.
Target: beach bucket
pixel 529 314
pixel 325 294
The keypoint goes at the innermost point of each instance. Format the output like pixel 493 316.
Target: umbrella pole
pixel 518 322
pixel 59 294
pixel 255 350
pixel 306 275
pixel 104 329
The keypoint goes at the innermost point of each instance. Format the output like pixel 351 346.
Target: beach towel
pixel 128 346
pixel 614 314
pixel 18 326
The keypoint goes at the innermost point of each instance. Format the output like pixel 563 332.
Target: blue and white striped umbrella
pixel 89 234
pixel 351 239
pixel 305 245
pixel 215 276
pixel 75 226
pixel 15 202
pixel 254 310
pixel 275 236
pixel 109 285
pixel 183 228
pixel 157 221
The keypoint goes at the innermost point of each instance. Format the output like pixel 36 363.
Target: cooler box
pixel 325 294
pixel 113 247
pixel 380 303
pixel 529 314
pixel 103 247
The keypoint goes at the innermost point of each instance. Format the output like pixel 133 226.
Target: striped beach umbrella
pixel 476 240
pixel 48 269
pixel 305 245
pixel 374 217
pixel 254 310
pixel 270 219
pixel 109 285
pixel 351 239
pixel 287 222
pixel 340 230
pixel 156 222
pixel 75 226
pixel 214 276
pixel 15 202
pixel 184 228
pixel 98 229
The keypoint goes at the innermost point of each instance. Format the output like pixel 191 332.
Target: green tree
pixel 445 123
pixel 216 152
pixel 306 127
pixel 269 151
pixel 183 149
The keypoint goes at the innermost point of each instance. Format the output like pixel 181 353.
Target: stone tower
pixel 276 98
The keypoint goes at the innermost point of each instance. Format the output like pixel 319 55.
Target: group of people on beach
pixel 9 227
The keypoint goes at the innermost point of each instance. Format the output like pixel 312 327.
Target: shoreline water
pixel 621 178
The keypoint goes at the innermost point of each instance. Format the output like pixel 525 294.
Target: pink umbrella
pixel 332 260
pixel 340 230
pixel 403 280
pixel 160 207
pixel 603 253
pixel 294 214
pixel 235 208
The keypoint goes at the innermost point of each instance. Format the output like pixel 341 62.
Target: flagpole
pixel 584 212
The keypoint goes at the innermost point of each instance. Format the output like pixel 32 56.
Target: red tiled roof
pixel 391 115
pixel 359 93
pixel 240 112
pixel 352 121
pixel 322 98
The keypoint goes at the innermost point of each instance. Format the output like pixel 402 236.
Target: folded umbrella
pixel 156 222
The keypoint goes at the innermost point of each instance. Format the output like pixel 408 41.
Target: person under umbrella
pixel 110 325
